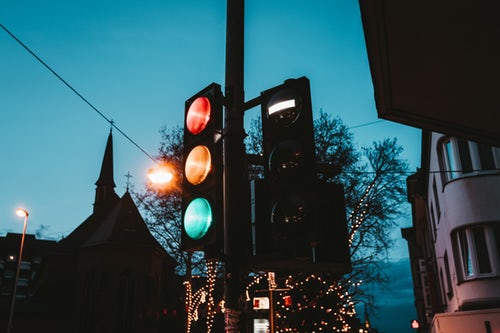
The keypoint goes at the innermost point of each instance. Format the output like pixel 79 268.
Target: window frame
pixel 468 264
pixel 455 152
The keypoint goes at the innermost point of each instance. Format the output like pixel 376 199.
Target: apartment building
pixel 454 242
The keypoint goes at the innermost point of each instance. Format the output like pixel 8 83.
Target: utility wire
pixel 367 124
pixel 111 122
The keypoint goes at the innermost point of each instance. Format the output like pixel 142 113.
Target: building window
pixel 486 157
pixel 459 157
pixel 496 236
pixel 433 219
pixel 477 252
pixel 464 165
pixel 436 199
pixel 483 257
pixel 449 290
pixel 443 290
pixel 450 163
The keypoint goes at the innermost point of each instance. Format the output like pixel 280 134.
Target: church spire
pixel 105 185
pixel 106 175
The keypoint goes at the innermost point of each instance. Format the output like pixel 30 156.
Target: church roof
pixel 78 236
pixel 123 225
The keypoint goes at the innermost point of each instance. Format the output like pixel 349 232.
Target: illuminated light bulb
pixel 281 106
pixel 160 175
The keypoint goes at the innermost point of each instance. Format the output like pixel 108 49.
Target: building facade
pixel 454 242
pixel 34 251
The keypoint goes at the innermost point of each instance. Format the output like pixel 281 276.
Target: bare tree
pixel 374 184
pixel 161 207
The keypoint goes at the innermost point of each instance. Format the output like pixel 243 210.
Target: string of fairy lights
pixel 205 294
pixel 344 310
pixel 338 315
pixel 357 216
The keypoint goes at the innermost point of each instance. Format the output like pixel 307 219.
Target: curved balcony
pixel 470 200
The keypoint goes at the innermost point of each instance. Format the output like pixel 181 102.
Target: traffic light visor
pixel 197 165
pixel 198 115
pixel 198 218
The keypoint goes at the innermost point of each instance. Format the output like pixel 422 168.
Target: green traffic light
pixel 198 218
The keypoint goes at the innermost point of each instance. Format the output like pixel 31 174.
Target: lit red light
pixel 198 115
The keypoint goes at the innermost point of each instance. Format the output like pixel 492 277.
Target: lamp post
pixel 22 213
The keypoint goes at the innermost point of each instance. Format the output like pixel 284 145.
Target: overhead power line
pixel 111 122
pixel 367 124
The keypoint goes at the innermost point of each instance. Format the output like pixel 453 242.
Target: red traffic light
pixel 287 300
pixel 198 115
pixel 202 192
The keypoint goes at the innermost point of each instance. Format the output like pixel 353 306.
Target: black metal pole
pixel 236 185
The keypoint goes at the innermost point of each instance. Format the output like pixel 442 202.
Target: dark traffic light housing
pixel 298 223
pixel 289 161
pixel 322 246
pixel 202 187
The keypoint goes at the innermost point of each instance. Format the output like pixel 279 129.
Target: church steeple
pixel 105 195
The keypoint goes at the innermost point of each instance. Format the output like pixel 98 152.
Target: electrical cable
pixel 367 124
pixel 111 122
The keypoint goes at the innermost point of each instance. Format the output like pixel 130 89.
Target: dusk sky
pixel 137 62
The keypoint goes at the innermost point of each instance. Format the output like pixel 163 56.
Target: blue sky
pixel 137 62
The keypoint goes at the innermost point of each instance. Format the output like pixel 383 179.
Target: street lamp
pixel 160 175
pixel 22 213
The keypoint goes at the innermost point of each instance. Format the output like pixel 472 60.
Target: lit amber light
pixel 198 115
pixel 198 165
pixel 160 175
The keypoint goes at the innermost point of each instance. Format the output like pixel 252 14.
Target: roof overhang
pixel 436 64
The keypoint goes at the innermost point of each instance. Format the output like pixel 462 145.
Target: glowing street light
pixel 160 175
pixel 21 212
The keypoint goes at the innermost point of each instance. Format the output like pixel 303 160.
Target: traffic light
pixel 298 222
pixel 289 164
pixel 202 187
pixel 287 301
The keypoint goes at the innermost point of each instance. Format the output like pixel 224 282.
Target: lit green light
pixel 197 218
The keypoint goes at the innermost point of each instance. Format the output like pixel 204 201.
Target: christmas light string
pixel 357 216
pixel 211 279
pixel 336 317
pixel 203 295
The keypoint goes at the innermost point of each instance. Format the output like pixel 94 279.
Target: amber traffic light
pixel 202 189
